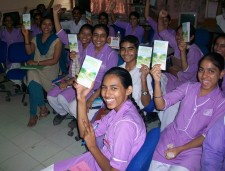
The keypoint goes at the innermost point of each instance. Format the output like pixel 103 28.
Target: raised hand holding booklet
pixel 88 71
pixel 160 53
pixel 73 43
pixel 186 31
pixel 26 21
pixel 144 56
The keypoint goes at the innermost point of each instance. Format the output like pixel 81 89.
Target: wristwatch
pixel 144 93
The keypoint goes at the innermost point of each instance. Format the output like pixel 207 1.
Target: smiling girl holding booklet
pixel 124 127
pixel 202 103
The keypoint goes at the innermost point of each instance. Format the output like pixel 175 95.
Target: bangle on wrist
pixel 27 43
pixel 157 97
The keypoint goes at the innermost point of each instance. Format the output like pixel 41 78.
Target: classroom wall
pixel 18 5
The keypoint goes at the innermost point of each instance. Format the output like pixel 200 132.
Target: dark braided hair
pixel 126 81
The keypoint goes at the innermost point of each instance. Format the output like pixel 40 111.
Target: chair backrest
pixel 142 159
pixel 3 51
pixel 17 53
pixel 202 39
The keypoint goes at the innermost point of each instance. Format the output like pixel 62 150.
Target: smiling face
pixel 8 22
pixel 85 36
pixel 103 20
pixel 99 38
pixel 133 21
pixel 46 26
pixel 179 35
pixel 76 15
pixel 219 46
pixel 209 75
pixel 113 92
pixel 128 52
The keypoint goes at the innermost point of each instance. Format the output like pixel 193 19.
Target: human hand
pixel 144 71
pixel 172 153
pixel 73 55
pixel 163 13
pixel 89 135
pixel 82 91
pixel 182 45
pixel 63 85
pixel 156 72
pixel 24 31
pixel 57 8
pixel 32 62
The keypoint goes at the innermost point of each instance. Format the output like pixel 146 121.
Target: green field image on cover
pixel 85 74
pixel 158 58
pixel 72 45
pixel 143 60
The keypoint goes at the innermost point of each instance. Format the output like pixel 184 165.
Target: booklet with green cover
pixel 88 15
pixel 32 67
pixel 160 53
pixel 186 31
pixel 88 71
pixel 144 56
pixel 73 43
pixel 27 21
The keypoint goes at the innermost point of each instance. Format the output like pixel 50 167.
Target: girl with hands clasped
pixel 123 126
pixel 201 104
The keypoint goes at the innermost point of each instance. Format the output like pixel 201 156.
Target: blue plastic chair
pixel 17 54
pixel 202 39
pixel 3 55
pixel 143 158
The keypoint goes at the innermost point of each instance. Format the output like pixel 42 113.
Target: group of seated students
pixel 189 95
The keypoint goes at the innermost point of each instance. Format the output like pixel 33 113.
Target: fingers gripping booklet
pixel 88 71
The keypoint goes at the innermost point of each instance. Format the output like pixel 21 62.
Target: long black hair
pixel 126 81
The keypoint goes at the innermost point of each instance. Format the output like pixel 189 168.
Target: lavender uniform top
pixel 166 35
pixel 124 135
pixel 193 119
pixel 35 30
pixel 138 30
pixel 190 74
pixel 112 32
pixel 214 147
pixel 107 55
pixel 154 26
pixel 11 37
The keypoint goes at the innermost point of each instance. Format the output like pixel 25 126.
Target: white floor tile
pixel 62 135
pixel 27 139
pixel 62 155
pixel 43 150
pixel 8 150
pixel 12 129
pixel 37 168
pixel 19 162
